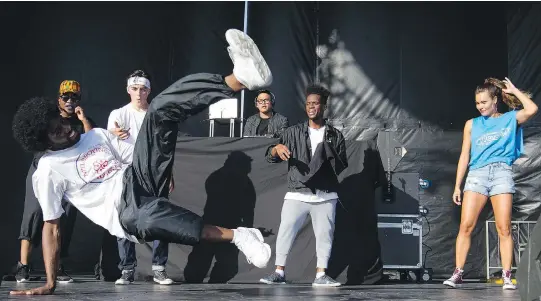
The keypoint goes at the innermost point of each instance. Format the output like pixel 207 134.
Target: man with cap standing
pixel 69 97
pixel 68 102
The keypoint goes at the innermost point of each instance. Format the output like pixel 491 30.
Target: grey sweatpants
pixel 294 214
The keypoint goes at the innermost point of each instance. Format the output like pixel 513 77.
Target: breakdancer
pixel 70 107
pixel 122 187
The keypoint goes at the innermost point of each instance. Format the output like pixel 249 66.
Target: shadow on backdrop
pixel 107 267
pixel 230 203
pixel 356 246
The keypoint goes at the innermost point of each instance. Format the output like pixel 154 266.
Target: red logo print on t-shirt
pixel 97 165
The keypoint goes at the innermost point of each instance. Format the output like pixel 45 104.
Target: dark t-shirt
pixel 263 127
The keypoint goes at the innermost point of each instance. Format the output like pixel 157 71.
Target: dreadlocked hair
pixel 495 87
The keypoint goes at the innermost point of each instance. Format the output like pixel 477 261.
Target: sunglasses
pixel 73 97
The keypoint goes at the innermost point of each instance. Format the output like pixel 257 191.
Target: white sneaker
pixel 507 281
pixel 256 252
pixel 256 232
pixel 250 69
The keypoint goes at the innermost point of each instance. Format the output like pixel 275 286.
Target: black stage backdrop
pixel 15 160
pixel 229 182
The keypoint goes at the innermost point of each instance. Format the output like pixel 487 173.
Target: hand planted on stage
pixel 43 290
pixel 509 87
pixel 457 198
pixel 80 113
pixel 120 132
pixel 282 151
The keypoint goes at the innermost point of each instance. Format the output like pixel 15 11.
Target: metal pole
pixel 317 44
pixel 242 92
pixel 487 250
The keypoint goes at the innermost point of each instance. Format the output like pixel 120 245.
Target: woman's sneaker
pixel 507 281
pixel 455 280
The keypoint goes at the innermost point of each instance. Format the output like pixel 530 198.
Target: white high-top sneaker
pixel 456 280
pixel 250 69
pixel 256 252
pixel 507 281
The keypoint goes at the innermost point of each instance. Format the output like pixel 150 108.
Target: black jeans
pixel 32 222
pixel 145 211
pixel 128 259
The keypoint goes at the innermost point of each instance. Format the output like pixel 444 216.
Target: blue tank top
pixel 496 139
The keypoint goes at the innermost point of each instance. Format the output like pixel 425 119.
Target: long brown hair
pixel 494 88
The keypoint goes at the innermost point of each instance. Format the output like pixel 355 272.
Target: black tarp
pixel 229 182
pixel 14 178
pixel 524 48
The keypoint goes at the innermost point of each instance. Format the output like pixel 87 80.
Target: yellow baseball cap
pixel 69 86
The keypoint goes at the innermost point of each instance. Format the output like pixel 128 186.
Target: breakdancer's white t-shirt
pixel 127 117
pixel 89 175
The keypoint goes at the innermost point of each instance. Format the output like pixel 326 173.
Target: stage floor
pixel 92 290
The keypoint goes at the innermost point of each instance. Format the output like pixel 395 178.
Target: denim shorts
pixel 492 179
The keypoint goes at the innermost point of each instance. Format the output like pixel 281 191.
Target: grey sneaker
pixel 162 278
pixel 250 68
pixel 62 276
pixel 325 281
pixel 126 278
pixel 273 278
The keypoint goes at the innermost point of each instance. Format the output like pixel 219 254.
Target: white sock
pixel 280 272
pixel 237 235
pixel 320 274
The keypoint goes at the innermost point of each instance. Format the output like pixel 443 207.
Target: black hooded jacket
pixel 307 173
